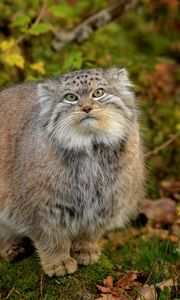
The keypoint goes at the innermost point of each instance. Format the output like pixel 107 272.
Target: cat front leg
pixel 12 245
pixel 85 249
pixel 54 253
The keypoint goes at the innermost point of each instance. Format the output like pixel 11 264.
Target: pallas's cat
pixel 71 165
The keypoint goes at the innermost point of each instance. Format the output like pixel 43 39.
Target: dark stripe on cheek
pixel 58 115
pixel 45 124
pixel 117 106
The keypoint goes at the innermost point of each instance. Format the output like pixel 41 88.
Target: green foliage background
pixel 145 41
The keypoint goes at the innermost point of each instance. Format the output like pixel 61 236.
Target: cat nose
pixel 86 108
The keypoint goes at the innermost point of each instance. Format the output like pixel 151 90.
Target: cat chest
pixel 87 182
pixel 86 196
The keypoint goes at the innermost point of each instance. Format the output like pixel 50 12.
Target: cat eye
pixel 98 93
pixel 71 97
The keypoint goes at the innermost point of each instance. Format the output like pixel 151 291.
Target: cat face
pixel 87 106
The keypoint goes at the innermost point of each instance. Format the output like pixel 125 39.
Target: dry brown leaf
pixel 123 282
pixel 126 280
pixel 132 275
pixel 162 234
pixel 147 292
pixel 102 289
pixel 122 297
pixel 167 283
pixel 176 229
pixel 112 297
pixel 118 295
pixel 174 238
pixel 106 297
pixel 176 268
pixel 116 292
pixel 108 282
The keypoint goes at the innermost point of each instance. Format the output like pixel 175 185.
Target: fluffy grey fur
pixel 69 170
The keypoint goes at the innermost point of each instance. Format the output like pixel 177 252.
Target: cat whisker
pixel 52 127
pixel 60 128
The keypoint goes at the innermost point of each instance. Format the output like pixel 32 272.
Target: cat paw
pixel 87 255
pixel 66 266
pixel 12 251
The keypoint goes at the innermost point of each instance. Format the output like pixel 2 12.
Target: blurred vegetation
pixel 145 41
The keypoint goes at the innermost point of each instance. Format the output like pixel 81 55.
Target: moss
pixel 25 280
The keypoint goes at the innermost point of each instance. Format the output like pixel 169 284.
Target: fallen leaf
pixel 107 297
pixel 126 281
pixel 108 282
pixel 147 292
pixel 162 234
pixel 176 268
pixel 102 289
pixel 166 283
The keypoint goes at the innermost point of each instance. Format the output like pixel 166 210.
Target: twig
pixel 42 284
pixel 37 20
pixel 10 292
pixel 82 31
pixel 41 14
pixel 164 145
pixel 17 292
pixel 57 282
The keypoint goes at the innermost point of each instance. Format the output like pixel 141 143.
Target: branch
pixel 37 20
pixel 164 145
pixel 41 13
pixel 82 31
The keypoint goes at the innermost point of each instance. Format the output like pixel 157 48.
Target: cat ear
pixel 120 76
pixel 119 79
pixel 45 90
pixel 45 94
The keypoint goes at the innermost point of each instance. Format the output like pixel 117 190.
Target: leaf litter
pixel 131 284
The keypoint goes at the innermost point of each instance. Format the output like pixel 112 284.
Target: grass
pixel 153 256
pixel 25 280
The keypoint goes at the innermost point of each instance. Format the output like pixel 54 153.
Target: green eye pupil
pixel 71 97
pixel 98 93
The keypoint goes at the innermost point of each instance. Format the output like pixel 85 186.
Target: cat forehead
pixel 78 78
